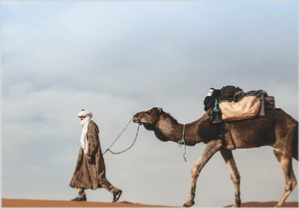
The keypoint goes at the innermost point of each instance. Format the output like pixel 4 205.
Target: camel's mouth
pixel 145 124
pixel 137 120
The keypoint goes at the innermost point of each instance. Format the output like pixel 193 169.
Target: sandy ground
pixel 266 205
pixel 60 203
pixel 6 202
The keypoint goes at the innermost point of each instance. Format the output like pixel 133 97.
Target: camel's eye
pixel 148 112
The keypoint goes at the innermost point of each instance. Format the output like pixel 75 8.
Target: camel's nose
pixel 135 118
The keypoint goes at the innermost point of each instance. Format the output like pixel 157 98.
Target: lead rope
pixel 115 153
pixel 182 142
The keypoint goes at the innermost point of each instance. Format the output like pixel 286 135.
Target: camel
pixel 276 129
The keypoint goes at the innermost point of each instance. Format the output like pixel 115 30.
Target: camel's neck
pixel 168 129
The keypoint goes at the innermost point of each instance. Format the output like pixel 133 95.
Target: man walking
pixel 90 167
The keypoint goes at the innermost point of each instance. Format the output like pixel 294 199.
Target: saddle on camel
pixel 231 103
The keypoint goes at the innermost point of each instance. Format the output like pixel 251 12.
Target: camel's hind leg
pixel 290 180
pixel 211 148
pixel 234 174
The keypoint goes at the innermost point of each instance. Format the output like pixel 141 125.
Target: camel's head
pixel 148 118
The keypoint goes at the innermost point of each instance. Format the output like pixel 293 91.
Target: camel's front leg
pixel 211 148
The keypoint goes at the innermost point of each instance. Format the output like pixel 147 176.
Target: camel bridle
pixel 182 142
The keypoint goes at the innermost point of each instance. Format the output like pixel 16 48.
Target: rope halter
pixel 182 142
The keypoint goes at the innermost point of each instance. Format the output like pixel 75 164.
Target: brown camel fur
pixel 276 129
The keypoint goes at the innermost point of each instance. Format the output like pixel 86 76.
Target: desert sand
pixel 6 202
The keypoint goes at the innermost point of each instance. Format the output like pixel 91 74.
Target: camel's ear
pixel 159 109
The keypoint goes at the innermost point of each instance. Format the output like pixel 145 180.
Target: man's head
pixel 82 117
pixel 84 113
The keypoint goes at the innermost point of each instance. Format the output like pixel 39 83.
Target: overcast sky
pixel 119 58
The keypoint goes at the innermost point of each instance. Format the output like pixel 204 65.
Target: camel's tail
pixel 295 143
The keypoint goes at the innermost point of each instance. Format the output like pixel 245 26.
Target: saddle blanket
pixel 246 108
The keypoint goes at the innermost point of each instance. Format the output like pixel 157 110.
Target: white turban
pixel 85 113
pixel 84 123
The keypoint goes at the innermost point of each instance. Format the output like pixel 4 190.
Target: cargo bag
pixel 247 107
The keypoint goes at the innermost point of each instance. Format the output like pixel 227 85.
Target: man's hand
pixel 88 158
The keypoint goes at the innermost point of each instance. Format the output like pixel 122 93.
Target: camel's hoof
pixel 189 204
